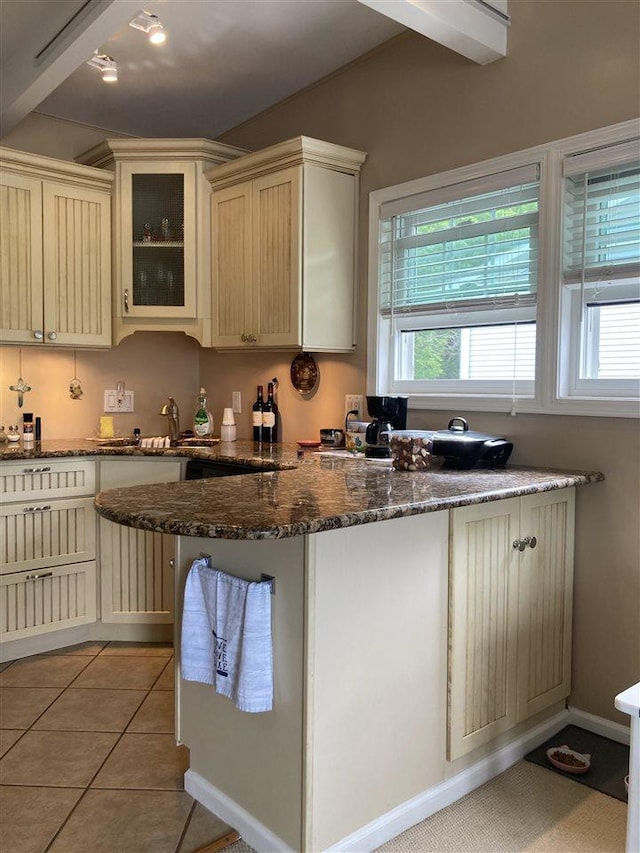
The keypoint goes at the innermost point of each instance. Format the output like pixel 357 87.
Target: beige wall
pixel 417 108
pixel 152 364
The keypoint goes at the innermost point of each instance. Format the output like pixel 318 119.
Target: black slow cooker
pixel 463 449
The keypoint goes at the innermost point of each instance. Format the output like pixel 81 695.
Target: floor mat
pixel 609 760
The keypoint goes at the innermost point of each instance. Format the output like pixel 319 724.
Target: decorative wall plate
pixel 304 373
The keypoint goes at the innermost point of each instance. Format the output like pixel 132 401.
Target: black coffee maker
pixel 388 413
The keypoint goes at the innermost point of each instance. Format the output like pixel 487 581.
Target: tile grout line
pixel 107 756
pixel 147 692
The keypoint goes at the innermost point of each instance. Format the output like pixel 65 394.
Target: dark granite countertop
pixel 291 496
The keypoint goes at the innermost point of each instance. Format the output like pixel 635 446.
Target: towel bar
pixel 263 578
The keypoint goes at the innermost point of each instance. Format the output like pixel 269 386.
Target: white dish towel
pixel 226 636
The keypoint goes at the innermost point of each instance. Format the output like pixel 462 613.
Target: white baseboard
pixel 392 823
pixel 599 725
pixel 424 805
pixel 47 642
pixel 256 834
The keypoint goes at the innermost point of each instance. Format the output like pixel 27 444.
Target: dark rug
pixel 609 760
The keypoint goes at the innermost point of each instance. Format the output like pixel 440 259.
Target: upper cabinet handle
pixel 248 339
pixel 126 301
pixel 52 336
pixel 38 334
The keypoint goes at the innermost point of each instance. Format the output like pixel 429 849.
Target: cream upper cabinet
pixel 161 232
pixel 510 610
pixel 55 247
pixel 284 225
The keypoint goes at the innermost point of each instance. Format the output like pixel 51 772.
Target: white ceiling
pixel 223 62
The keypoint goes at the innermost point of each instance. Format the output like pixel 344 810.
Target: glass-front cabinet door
pixel 158 247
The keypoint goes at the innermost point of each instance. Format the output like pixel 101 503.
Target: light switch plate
pixel 111 403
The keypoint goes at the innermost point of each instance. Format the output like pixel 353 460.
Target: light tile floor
pixel 88 760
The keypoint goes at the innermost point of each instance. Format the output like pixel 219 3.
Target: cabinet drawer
pixel 33 603
pixel 32 479
pixel 38 535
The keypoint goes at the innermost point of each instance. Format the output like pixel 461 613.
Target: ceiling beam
pixel 30 75
pixel 474 28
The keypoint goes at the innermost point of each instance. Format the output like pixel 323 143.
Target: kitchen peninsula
pixel 387 703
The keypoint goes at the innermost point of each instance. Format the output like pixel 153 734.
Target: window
pixel 458 279
pixel 514 283
pixel 601 273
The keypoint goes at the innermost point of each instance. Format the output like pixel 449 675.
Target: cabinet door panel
pixel 36 603
pixel 136 572
pixel 77 268
pixel 545 599
pixel 20 258
pixel 40 535
pixel 39 479
pixel 168 264
pixel 483 624
pixel 231 265
pixel 277 258
pixel 137 575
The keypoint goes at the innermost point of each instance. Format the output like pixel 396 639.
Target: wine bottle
pixel 270 418
pixel 257 409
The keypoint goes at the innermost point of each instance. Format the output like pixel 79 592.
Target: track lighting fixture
pixel 105 64
pixel 150 24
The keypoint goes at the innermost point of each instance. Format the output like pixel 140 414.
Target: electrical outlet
pixel 236 402
pixel 354 402
pixel 111 403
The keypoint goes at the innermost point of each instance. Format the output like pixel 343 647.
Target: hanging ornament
pixel 21 387
pixel 75 388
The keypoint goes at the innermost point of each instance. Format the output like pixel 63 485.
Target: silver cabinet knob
pixel 528 541
pixel 38 334
pixel 126 301
pixel 52 336
pixel 248 339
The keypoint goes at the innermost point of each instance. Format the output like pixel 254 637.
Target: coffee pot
pixel 388 413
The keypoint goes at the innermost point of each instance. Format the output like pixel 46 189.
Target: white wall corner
pixel 474 28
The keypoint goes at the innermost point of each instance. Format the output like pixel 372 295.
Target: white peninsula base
pixel 359 719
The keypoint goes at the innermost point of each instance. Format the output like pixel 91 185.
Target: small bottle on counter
pixel 203 419
pixel 270 418
pixel 38 429
pixel 257 410
pixel 27 427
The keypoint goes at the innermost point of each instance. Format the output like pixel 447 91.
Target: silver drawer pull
pixel 36 470
pixel 39 575
pixel 45 508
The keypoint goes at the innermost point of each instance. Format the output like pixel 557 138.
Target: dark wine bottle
pixel 257 410
pixel 270 418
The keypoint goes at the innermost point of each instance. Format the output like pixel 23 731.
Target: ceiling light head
pixel 150 24
pixel 105 64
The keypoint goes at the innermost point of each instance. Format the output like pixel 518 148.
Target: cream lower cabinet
pixel 510 612
pixel 284 226
pixel 55 243
pixel 47 561
pixel 136 566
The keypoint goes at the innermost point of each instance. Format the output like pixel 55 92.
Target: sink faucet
pixel 170 409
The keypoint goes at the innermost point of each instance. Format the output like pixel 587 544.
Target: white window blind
pixel 602 225
pixel 601 269
pixel 468 246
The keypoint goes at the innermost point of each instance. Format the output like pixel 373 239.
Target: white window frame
pixel 553 345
